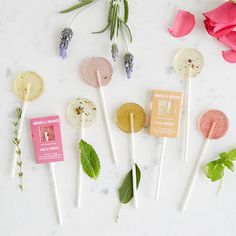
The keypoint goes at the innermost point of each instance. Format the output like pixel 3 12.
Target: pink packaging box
pixel 46 134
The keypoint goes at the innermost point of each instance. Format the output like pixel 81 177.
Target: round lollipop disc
pixel 78 107
pixel 123 117
pixel 206 120
pixel 186 58
pixel 90 68
pixel 30 80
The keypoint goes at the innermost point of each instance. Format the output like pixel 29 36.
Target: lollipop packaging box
pixel 46 135
pixel 166 110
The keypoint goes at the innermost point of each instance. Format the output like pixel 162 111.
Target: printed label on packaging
pixel 46 134
pixel 166 110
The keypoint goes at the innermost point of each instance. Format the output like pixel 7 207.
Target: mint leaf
pixel 214 170
pixel 229 165
pixel 232 155
pixel 223 155
pixel 126 188
pixel 89 160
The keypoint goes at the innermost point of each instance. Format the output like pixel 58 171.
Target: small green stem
pixel 118 212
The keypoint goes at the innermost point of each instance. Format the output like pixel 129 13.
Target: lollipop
pixel 188 63
pixel 213 125
pixel 81 114
pixel 131 118
pixel 46 134
pixel 166 107
pixel 28 86
pixel 97 72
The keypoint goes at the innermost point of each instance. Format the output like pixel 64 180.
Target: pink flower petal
pixel 229 56
pixel 224 14
pixel 183 24
pixel 229 40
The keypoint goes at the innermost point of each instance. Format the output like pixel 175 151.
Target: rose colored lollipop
pixel 213 125
pixel 90 68
pixel 97 72
pixel 206 120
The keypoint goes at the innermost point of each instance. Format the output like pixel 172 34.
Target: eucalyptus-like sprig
pixel 16 142
pixel 214 170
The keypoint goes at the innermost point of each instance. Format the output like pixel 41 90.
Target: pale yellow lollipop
pixel 29 86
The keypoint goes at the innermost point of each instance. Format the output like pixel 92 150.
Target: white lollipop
pixel 188 62
pixel 81 113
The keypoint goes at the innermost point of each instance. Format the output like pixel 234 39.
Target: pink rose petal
pixel 183 24
pixel 229 56
pixel 229 40
pixel 224 14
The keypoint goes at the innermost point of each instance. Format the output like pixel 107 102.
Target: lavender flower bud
pixel 66 36
pixel 114 51
pixel 129 64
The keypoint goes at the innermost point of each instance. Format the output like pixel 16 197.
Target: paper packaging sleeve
pixel 46 135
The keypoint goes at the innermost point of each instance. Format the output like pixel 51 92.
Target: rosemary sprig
pixel 16 141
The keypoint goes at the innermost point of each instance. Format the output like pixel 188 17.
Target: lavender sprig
pixel 114 51
pixel 66 36
pixel 129 64
pixel 16 141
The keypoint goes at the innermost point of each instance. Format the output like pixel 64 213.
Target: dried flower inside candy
pixel 66 36
pixel 129 64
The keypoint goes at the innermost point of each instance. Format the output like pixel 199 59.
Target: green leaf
pixel 127 30
pixel 126 11
pixel 229 165
pixel 18 113
pixel 126 188
pixel 81 4
pixel 232 155
pixel 114 20
pixel 89 160
pixel 214 170
pixel 103 30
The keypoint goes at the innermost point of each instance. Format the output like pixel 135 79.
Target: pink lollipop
pixel 213 124
pixel 97 72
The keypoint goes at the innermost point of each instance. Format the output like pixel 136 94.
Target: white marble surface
pixel 29 41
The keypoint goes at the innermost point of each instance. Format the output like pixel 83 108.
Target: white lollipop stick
pixel 105 113
pixel 196 169
pixel 52 170
pixel 79 187
pixel 160 169
pixel 24 108
pixel 133 160
pixel 187 112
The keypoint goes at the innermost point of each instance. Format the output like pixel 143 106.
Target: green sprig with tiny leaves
pixel 16 142
pixel 214 170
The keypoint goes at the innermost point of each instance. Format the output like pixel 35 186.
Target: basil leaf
pixel 214 170
pixel 126 188
pixel 82 3
pixel 89 160
pixel 229 165
pixel 232 155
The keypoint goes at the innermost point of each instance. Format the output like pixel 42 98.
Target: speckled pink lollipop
pixel 208 118
pixel 213 124
pixel 90 68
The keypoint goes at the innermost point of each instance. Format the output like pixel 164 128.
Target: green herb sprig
pixel 126 189
pixel 89 160
pixel 79 5
pixel 16 142
pixel 214 170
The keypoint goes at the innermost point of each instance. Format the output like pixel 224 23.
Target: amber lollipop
pixel 131 118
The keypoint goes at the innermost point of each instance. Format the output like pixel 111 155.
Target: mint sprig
pixel 214 170
pixel 89 160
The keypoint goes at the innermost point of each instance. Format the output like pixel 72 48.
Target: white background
pixel 29 37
